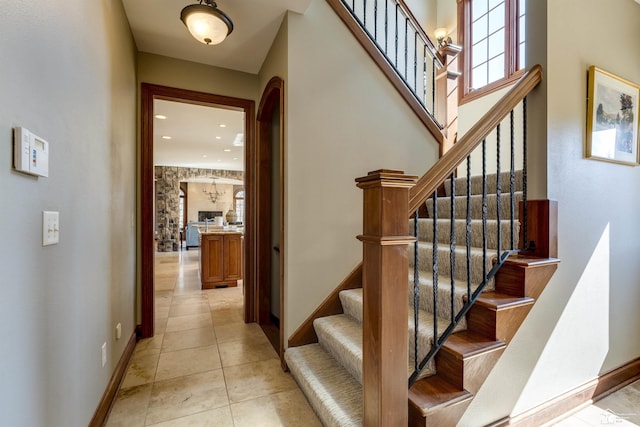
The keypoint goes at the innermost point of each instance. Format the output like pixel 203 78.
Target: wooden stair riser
pixel 497 324
pixel 467 373
pixel 444 417
pixel 524 281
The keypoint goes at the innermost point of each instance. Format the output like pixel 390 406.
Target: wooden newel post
pixel 385 296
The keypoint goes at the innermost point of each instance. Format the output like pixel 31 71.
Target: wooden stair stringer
pixel 468 357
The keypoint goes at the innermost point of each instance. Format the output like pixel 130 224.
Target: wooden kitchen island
pixel 220 258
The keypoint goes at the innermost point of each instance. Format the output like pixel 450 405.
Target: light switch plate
pixel 50 228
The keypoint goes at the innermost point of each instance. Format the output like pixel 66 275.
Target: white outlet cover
pixel 50 228
pixel 118 331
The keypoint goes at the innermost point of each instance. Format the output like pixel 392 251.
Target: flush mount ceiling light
pixel 207 23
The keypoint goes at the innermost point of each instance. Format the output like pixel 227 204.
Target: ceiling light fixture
pixel 227 150
pixel 222 125
pixel 166 137
pixel 160 117
pixel 207 23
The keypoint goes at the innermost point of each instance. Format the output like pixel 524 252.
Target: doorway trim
pixel 272 96
pixel 149 93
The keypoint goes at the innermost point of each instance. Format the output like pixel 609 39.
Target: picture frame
pixel 613 124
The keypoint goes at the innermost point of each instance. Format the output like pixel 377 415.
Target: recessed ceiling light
pixel 218 137
pixel 222 125
pixel 219 160
pixel 235 158
pixel 239 140
pixel 166 137
pixel 204 156
pixel 160 117
pixel 227 150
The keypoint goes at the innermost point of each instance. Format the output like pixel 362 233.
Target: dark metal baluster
pixel 364 13
pixel 498 193
pixel 424 74
pixel 452 244
pixel 375 20
pixel 512 180
pixel 415 62
pixel 435 267
pixel 484 209
pixel 386 27
pixel 416 293
pixel 525 242
pixel 406 46
pixel 396 27
pixel 468 228
pixel 433 87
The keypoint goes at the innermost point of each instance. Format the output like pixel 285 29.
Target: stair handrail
pixel 450 161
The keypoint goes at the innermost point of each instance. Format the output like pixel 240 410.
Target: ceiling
pixel 157 28
pixel 197 136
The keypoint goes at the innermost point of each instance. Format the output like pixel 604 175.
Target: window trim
pixel 511 53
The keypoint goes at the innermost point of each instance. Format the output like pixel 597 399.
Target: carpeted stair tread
pixel 351 301
pixel 425 232
pixel 341 336
pixel 476 183
pixel 444 206
pixel 333 393
pixel 425 261
pixel 425 296
pixel 433 393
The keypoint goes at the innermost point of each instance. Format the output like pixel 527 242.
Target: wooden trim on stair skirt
pixel 110 393
pixel 577 398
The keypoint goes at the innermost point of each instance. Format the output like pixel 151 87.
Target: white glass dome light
pixel 207 23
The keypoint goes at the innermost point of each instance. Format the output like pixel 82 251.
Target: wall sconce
pixel 207 23
pixel 441 37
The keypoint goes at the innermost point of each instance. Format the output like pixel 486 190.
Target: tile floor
pixel 621 409
pixel 205 366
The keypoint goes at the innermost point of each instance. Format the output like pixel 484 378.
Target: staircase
pixel 330 371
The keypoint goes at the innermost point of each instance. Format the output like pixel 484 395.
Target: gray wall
pixel 67 74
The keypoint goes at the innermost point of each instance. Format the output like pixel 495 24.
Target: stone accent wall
pixel 167 186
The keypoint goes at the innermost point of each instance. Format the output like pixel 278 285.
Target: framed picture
pixel 612 118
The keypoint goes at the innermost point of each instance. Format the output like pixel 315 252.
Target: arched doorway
pixel 270 204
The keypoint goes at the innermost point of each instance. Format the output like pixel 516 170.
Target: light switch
pixel 50 228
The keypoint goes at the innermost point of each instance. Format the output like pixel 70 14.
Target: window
pixel 493 39
pixel 238 204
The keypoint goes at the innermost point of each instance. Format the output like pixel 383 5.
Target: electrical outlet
pixel 118 331
pixel 104 354
pixel 50 228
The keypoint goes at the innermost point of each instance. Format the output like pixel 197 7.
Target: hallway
pixel 205 366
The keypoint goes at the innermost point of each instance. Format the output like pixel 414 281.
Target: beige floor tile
pixel 188 309
pixel 188 395
pixel 162 312
pixel 189 300
pixel 193 321
pixel 246 350
pixel 190 338
pixel 252 380
pixel 187 362
pixel 224 316
pixel 130 407
pixel 220 417
pixel 237 331
pixel 286 409
pixel 160 325
pixel 142 369
pixel 147 345
pixel 625 403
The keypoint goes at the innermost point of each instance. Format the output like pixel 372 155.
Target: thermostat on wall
pixel 30 153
